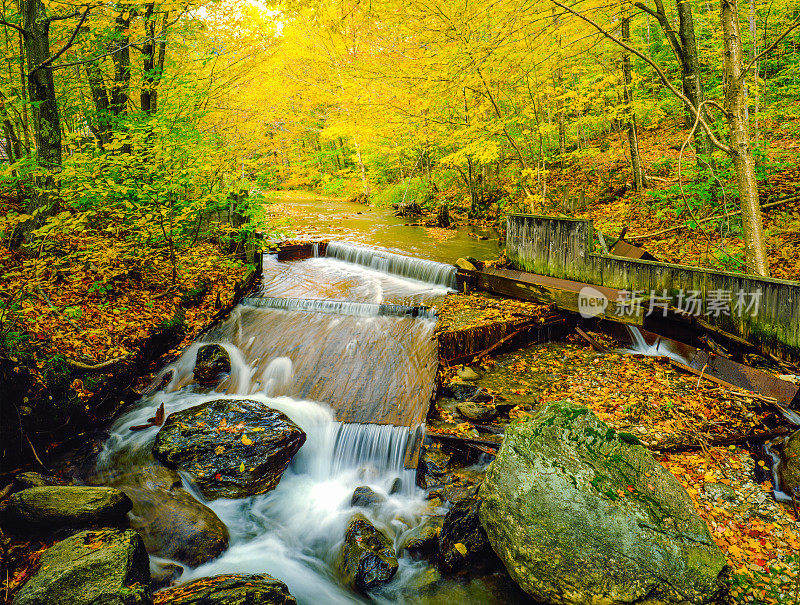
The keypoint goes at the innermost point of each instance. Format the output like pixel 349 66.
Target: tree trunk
pixel 41 88
pixel 121 56
pixel 738 130
pixel 363 170
pixel 630 115
pixel 147 95
pixel 690 71
pixel 102 122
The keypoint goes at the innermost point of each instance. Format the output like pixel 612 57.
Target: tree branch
pixel 64 48
pixel 771 47
pixel 14 26
pixel 662 76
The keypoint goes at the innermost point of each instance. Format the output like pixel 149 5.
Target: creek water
pixel 330 342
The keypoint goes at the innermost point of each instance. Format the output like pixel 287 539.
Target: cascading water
pixel 396 264
pixel 357 378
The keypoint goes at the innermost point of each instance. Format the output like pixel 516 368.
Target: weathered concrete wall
pixel 564 248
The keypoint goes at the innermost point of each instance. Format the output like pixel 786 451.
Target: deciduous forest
pixel 151 150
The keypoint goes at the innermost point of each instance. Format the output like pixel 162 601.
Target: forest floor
pixel 709 437
pixel 603 173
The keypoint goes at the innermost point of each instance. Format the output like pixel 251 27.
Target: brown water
pixel 319 218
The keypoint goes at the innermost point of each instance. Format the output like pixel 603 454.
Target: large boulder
pixel 432 466
pixel 367 559
pixel 39 510
pixel 212 363
pixel 103 567
pixel 234 447
pixel 229 589
pixel 463 544
pixel 582 514
pixel 172 523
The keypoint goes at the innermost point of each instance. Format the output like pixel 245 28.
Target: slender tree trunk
pixel 121 56
pixel 630 115
pixel 147 94
pixel 692 85
pixel 102 123
pixel 363 170
pixel 741 152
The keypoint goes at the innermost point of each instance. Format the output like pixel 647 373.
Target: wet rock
pixel 367 558
pixel 463 543
pixel 407 209
pixel 432 466
pixel 462 484
pixel 163 575
pixel 212 363
pixel 467 373
pixel 234 447
pixel 39 510
pixel 463 263
pixel 423 540
pixel 580 514
pixel 397 486
pixel 476 411
pixel 720 490
pixel 108 567
pixel 172 523
pixel 459 390
pixel 789 467
pixel 365 496
pixel 228 589
pixel 31 479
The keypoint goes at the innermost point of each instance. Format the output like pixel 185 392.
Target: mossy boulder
pixel 39 510
pixel 463 544
pixel 234 447
pixel 108 567
pixel 367 559
pixel 172 523
pixel 582 514
pixel 213 362
pixel 228 589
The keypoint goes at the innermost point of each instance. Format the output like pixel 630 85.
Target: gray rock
pixel 582 514
pixel 234 447
pixel 789 467
pixel 476 411
pixel 367 559
pixel 163 575
pixel 172 523
pixel 108 567
pixel 365 496
pixel 463 543
pixel 432 467
pixel 459 390
pixel 212 363
pixel 720 490
pixel 38 510
pixel 229 589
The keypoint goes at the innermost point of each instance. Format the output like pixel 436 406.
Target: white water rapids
pixel 294 532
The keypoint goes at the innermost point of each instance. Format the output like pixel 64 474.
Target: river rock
pixel 234 447
pixel 172 523
pixel 423 540
pixel 789 467
pixel 108 567
pixel 364 496
pixel 163 575
pixel 463 542
pixel 467 373
pixel 432 466
pixel 367 558
pixel 31 479
pixel 476 411
pixel 212 363
pixel 38 510
pixel 459 390
pixel 463 263
pixel 228 589
pixel 582 514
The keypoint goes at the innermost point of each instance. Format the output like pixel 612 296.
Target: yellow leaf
pixel 218 450
pixel 461 548
pixel 241 467
pixel 246 440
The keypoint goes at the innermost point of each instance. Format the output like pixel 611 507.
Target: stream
pixel 330 341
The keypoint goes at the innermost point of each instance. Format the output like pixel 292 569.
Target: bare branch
pixel 772 46
pixel 662 76
pixel 14 26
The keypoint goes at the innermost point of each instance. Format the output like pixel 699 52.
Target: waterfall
pixel 338 307
pixel 396 264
